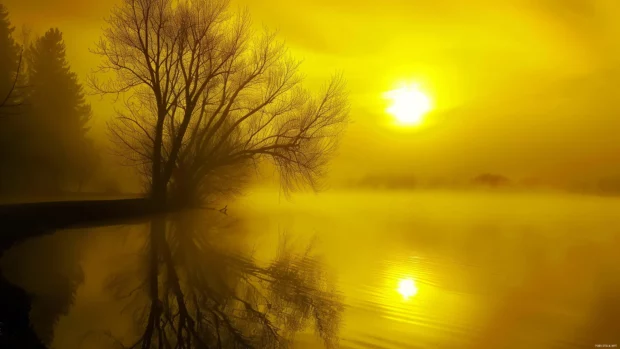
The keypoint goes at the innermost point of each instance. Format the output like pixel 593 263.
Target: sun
pixel 407 288
pixel 409 105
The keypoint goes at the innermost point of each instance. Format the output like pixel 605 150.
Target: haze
pixel 522 88
pixel 430 174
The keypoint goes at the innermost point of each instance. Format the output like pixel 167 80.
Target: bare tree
pixel 206 97
pixel 203 91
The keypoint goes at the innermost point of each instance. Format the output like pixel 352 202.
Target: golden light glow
pixel 407 288
pixel 409 105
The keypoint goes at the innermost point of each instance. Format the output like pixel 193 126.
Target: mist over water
pixel 491 270
pixel 511 270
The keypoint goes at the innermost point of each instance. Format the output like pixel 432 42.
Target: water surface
pixel 504 270
pixel 414 269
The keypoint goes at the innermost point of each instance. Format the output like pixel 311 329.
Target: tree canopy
pixel 204 94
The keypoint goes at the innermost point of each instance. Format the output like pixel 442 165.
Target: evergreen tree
pixel 59 116
pixel 9 54
pixel 10 119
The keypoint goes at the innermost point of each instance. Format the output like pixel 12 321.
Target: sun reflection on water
pixel 407 288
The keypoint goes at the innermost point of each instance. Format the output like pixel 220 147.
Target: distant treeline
pixel 412 182
pixel 606 185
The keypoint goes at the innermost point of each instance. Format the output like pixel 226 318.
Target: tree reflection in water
pixel 212 293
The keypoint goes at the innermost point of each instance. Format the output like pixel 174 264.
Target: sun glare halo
pixel 408 105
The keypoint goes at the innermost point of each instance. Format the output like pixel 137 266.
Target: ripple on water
pixel 434 316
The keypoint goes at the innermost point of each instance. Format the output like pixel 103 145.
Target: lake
pixel 413 269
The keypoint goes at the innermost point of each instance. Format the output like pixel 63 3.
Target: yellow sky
pixel 522 87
